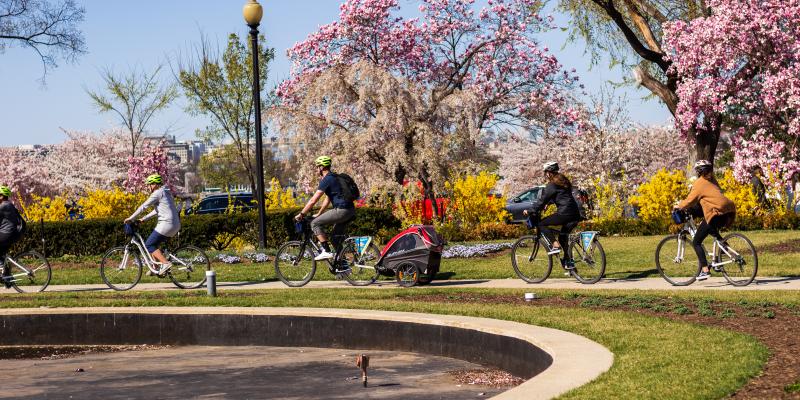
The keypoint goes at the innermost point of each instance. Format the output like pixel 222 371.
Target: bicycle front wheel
pixel 742 269
pixel 530 259
pixel 189 266
pixel 121 268
pixel 294 263
pixel 676 260
pixel 363 266
pixel 34 277
pixel 590 265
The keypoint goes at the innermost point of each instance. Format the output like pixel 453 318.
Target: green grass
pixel 655 358
pixel 627 258
pixel 793 388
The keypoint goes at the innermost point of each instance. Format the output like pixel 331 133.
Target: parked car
pixel 218 203
pixel 521 202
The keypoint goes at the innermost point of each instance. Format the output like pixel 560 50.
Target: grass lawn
pixel 627 257
pixel 655 357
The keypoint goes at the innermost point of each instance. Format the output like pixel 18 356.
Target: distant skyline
pixel 121 35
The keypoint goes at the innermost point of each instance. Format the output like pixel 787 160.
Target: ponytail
pixel 561 180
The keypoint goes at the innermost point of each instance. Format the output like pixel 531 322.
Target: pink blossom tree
pixel 152 159
pixel 738 66
pixel 774 156
pixel 431 85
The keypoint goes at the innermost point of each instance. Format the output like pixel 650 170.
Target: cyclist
pixel 718 211
pixel 169 222
pixel 343 210
pixel 12 226
pixel 559 192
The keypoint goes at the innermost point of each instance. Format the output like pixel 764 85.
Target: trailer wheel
pixel 425 279
pixel 407 274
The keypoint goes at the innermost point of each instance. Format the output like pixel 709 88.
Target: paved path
pixel 715 283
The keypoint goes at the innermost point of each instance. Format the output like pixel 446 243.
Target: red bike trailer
pixel 413 256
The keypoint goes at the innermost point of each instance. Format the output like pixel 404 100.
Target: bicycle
pixel 28 272
pixel 533 265
pixel 122 266
pixel 680 268
pixel 295 265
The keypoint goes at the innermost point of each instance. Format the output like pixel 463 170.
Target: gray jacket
pixel 169 221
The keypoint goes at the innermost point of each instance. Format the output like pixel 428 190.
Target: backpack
pixel 350 190
pixel 582 198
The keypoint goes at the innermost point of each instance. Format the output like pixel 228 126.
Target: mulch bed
pixel 776 326
pixel 485 377
pixel 787 247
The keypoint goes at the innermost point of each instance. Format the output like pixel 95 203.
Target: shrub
pixel 608 199
pixel 472 203
pixel 113 203
pixel 279 198
pixel 656 197
pixel 94 237
pixel 44 208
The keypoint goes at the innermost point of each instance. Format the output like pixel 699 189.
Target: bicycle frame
pixel 22 267
pixel 690 229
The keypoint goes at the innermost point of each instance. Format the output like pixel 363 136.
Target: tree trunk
pixel 706 141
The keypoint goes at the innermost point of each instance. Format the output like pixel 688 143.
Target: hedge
pixel 94 237
pixel 637 227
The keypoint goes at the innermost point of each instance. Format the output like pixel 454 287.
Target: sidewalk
pixel 714 283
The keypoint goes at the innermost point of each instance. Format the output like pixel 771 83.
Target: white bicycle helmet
pixel 551 166
pixel 701 166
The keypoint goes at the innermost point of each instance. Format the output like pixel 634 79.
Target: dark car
pixel 218 203
pixel 521 202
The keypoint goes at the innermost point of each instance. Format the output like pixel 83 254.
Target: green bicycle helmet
pixel 323 161
pixel 154 179
pixel 5 191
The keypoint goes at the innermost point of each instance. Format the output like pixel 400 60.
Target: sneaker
pixel 569 265
pixel 325 255
pixel 703 276
pixel 164 269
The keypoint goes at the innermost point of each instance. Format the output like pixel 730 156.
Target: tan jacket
pixel 710 197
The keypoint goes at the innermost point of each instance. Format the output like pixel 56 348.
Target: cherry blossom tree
pixel 738 66
pixel 400 99
pixel 152 159
pixel 773 156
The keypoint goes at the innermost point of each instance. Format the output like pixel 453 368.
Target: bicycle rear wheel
pixel 189 266
pixel 676 260
pixel 590 266
pixel 363 266
pixel 37 276
pixel 530 259
pixel 742 271
pixel 121 268
pixel 294 264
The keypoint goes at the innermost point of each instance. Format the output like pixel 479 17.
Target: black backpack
pixel 350 190
pixel 582 198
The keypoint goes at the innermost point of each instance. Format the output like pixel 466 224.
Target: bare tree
pixel 135 97
pixel 51 30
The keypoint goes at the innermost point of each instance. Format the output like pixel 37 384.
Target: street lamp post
pixel 252 15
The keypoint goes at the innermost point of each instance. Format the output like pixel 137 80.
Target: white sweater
pixel 169 221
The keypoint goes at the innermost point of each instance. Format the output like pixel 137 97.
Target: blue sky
pixel 144 33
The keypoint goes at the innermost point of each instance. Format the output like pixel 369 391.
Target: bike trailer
pixel 420 245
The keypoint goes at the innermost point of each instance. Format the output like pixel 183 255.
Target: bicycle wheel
pixel 294 263
pixel 676 260
pixel 363 267
pixel 37 276
pixel 407 274
pixel 121 268
pixel 744 266
pixel 589 265
pixel 189 266
pixel 530 259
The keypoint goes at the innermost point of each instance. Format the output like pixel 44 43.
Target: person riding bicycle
pixel 12 226
pixel 344 210
pixel 169 222
pixel 718 211
pixel 559 192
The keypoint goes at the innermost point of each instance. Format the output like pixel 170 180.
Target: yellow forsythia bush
pixel 472 202
pixel 279 198
pixel 608 202
pixel 410 208
pixel 656 197
pixel 114 203
pixel 741 194
pixel 47 208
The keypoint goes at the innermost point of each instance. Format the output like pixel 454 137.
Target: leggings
pixel 567 222
pixel 711 228
pixel 6 240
